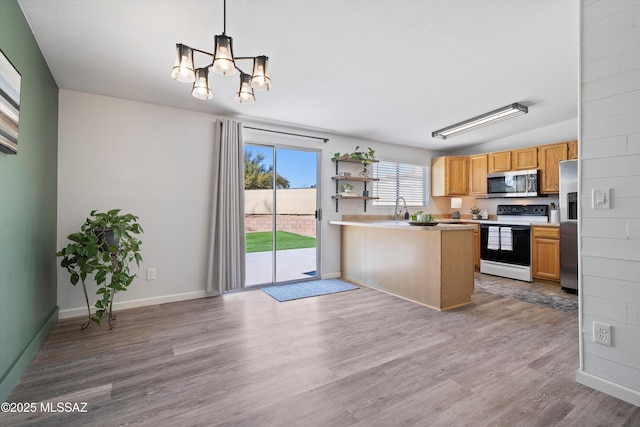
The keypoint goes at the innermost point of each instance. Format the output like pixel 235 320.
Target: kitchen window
pixel 400 180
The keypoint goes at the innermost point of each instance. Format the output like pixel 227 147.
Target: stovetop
pixel 523 213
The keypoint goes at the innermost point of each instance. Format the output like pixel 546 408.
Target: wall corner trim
pixel 615 390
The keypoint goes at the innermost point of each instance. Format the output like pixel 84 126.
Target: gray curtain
pixel 226 264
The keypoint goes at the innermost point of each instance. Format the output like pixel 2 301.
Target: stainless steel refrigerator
pixel 569 225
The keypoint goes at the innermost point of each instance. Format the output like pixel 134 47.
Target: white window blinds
pixel 400 179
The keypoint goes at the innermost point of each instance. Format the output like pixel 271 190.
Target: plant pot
pixel 475 216
pixel 365 193
pixel 106 238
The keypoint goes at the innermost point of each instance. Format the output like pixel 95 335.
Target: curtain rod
pixel 288 133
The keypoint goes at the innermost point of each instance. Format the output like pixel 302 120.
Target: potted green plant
pixel 346 187
pixel 475 212
pixel 365 157
pixel 103 248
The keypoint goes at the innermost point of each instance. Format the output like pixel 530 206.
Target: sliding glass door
pixel 281 227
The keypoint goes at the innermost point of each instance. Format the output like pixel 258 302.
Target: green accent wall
pixel 28 206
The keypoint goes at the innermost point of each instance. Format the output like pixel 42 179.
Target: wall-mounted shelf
pixel 353 178
pixel 363 179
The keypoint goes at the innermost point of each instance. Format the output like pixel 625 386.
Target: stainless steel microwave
pixel 514 184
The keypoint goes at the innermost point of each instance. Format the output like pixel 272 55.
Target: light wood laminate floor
pixel 357 358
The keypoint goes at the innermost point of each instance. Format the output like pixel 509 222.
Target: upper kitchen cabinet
pixel 549 158
pixel 449 176
pixel 478 167
pixel 513 160
pixel 573 150
pixel 500 161
pixel 524 159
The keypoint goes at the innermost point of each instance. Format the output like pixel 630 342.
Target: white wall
pixel 155 162
pixel 610 158
pixel 147 160
pixel 559 132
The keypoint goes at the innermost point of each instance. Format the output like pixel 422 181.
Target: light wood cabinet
pixel 573 150
pixel 462 176
pixel 500 161
pixel 549 158
pixel 545 258
pixel 476 237
pixel 525 158
pixel 478 164
pixel 449 176
pixel 522 159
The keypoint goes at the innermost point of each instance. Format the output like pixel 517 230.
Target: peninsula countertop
pixel 432 265
pixel 403 225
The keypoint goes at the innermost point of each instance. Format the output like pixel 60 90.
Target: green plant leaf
pixel 76 237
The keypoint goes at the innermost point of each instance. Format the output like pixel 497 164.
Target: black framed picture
pixel 10 80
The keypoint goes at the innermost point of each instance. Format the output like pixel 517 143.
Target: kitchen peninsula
pixel 430 265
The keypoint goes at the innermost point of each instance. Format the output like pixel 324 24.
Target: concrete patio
pixel 291 264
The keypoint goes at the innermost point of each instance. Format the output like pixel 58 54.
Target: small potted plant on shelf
pixel 103 248
pixel 475 212
pixel 346 189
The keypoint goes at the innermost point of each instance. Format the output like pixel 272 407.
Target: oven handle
pixel 513 227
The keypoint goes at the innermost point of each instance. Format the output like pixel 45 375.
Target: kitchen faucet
pixel 395 213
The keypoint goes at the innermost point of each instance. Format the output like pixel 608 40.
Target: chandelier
pixel 223 63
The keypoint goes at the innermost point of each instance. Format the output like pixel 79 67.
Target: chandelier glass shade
pixel 183 69
pixel 260 79
pixel 245 93
pixel 201 88
pixel 222 62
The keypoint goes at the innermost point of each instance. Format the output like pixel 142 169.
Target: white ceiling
pixel 383 70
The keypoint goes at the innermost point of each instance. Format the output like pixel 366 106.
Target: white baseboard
pixel 82 311
pixel 612 389
pixel 332 275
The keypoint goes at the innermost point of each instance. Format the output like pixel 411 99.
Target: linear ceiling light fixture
pixel 486 119
pixel 224 63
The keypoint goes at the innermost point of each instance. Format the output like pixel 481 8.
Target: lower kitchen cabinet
pixel 476 243
pixel 476 238
pixel 545 253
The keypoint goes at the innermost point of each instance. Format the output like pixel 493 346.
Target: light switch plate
pixel 600 198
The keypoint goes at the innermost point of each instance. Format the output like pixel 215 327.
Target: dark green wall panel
pixel 28 205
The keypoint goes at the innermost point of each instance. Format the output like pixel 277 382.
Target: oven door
pixel 520 253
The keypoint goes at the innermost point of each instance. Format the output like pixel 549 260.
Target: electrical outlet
pixel 602 333
pixel 151 274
